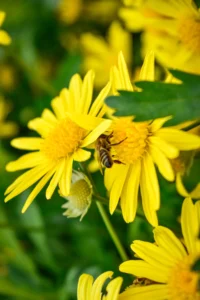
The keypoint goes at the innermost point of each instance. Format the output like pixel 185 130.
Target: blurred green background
pixel 42 253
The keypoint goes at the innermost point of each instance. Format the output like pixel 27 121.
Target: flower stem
pixel 112 231
pixel 107 222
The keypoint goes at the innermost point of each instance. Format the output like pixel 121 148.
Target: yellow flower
pixel 5 39
pixel 168 262
pixel 145 145
pixel 7 128
pixel 103 54
pixel 171 29
pixel 103 11
pixel 80 196
pixel 182 164
pixel 69 11
pixel 89 290
pixel 74 124
pixel 8 77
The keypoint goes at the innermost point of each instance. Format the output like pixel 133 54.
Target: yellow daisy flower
pixel 88 289
pixel 145 144
pixel 103 11
pixel 7 128
pixel 168 262
pixel 8 77
pixel 5 39
pixel 74 124
pixel 171 29
pixel 69 11
pixel 103 54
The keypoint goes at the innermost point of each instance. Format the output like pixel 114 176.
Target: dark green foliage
pixel 158 99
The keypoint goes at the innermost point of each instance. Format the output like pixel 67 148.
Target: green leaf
pixel 158 99
pixel 196 266
pixel 9 240
pixel 33 219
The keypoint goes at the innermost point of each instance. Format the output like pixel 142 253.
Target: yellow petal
pixel 189 225
pixel 99 101
pixel 148 67
pixel 2 17
pixel 110 176
pixel 113 288
pixel 158 123
pixel 169 150
pixel 5 39
pixel 153 255
pixel 162 162
pixel 37 189
pixel 151 292
pixel 124 75
pixel 85 287
pixel 94 134
pixel 81 155
pixel 62 104
pixel 41 126
pixel 180 139
pixel 87 91
pixel 195 194
pixel 150 190
pixel 117 187
pixel 129 197
pixel 98 284
pixel 27 143
pixel 172 8
pixel 86 121
pixel 65 104
pixel 65 180
pixel 142 269
pixel 180 187
pixel 55 179
pixel 115 80
pixel 75 88
pixel 8 129
pixel 48 116
pixel 167 240
pixel 26 161
pixel 24 181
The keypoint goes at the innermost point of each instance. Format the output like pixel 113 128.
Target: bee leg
pixel 118 142
pixel 110 135
pixel 118 162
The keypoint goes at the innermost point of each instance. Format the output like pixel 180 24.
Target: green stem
pixel 112 231
pixel 105 217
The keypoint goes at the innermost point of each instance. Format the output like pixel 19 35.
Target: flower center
pixel 189 33
pixel 183 282
pixel 80 191
pixel 135 136
pixel 63 140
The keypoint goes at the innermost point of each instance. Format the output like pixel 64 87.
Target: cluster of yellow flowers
pixel 165 269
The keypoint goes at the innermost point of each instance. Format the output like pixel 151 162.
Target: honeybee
pixel 103 147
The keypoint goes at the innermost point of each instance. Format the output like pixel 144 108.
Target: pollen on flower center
pixel 183 282
pixel 135 136
pixel 189 33
pixel 63 140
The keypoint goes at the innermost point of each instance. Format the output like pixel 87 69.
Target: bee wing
pixel 99 159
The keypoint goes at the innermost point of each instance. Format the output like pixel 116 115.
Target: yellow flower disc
pixel 183 282
pixel 63 140
pixel 136 140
